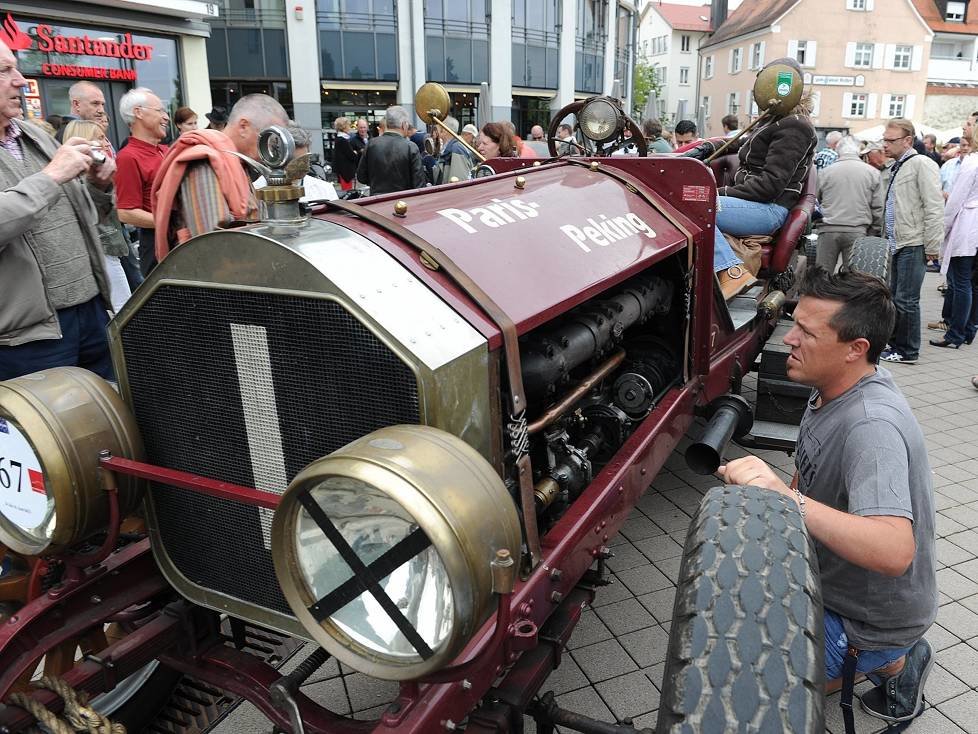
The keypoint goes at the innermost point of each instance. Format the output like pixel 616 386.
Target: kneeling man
pixel 863 486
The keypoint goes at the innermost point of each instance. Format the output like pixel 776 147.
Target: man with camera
pixel 53 289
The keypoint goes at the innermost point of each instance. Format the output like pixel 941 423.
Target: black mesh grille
pixel 333 382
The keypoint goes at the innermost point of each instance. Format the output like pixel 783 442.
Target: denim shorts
pixel 837 643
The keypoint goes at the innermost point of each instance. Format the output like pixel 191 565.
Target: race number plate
pixel 23 496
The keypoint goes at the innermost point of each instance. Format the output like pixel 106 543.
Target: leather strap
pixel 848 683
pixel 516 429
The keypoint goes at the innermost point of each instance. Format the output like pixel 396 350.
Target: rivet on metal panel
pixel 536 163
pixel 466 685
pixel 595 165
pixel 429 262
pixel 556 597
pixel 400 209
pixel 450 725
pixel 520 182
pixel 453 179
pixel 555 574
pixel 644 471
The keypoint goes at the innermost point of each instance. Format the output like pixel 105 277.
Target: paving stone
pixel 967 540
pixel 959 493
pixel 833 716
pixel 670 568
pixel 626 616
pixel 950 554
pixel 646 646
pixel 940 639
pixel 657 549
pixel 366 692
pixel 660 603
pixel 332 694
pixel 955 585
pixel 961 710
pixel 644 579
pixel 958 620
pixel 646 721
pixel 961 661
pixel 628 556
pixel 586 701
pixel 567 677
pixel 603 660
pixel 674 521
pixel 932 721
pixel 942 685
pixel 655 673
pixel 641 527
pixel 589 629
pixel 629 695
pixel 612 593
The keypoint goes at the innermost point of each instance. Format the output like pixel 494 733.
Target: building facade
pixel 329 58
pixel 115 45
pixel 670 35
pixel 952 68
pixel 863 60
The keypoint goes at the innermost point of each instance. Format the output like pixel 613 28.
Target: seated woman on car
pixel 774 162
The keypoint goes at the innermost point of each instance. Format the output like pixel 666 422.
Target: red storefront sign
pixel 50 42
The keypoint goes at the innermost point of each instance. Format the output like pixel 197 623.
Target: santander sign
pixel 48 41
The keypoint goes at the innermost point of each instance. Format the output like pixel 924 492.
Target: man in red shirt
pixel 137 165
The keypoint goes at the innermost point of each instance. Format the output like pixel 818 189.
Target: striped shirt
pixel 10 142
pixel 890 218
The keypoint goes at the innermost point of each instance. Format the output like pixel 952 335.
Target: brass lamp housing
pixel 453 494
pixel 68 415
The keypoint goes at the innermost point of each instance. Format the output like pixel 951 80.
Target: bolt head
pixel 594 165
pixel 400 208
pixel 520 182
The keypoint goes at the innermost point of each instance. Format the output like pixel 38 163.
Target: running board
pixel 770 436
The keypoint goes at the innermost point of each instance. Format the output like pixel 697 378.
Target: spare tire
pixel 871 255
pixel 746 649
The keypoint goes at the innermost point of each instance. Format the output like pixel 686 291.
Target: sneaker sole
pixel 918 704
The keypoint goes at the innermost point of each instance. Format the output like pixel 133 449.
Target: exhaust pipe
pixel 731 417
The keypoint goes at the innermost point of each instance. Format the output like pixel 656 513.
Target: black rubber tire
pixel 746 646
pixel 871 255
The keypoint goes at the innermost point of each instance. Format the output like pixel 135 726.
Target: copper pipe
pixel 582 388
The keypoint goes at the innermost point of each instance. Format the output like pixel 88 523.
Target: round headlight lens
pixel 600 120
pixel 372 524
pixel 26 506
pixel 384 548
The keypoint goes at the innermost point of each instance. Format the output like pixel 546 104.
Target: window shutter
pixel 851 53
pixel 810 53
pixel 889 59
pixel 879 50
pixel 737 101
pixel 917 58
pixel 816 103
pixel 871 106
pixel 847 104
pixel 730 62
pixel 760 63
pixel 793 49
pixel 908 107
pixel 884 105
pixel 869 5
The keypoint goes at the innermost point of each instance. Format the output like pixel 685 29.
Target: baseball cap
pixel 870 147
pixel 470 128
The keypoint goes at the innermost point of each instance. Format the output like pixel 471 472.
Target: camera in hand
pixel 98 158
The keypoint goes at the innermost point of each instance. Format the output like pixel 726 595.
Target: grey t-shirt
pixel 864 453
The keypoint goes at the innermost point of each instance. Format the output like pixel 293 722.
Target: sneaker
pixel 901 697
pixel 896 358
pixel 933 268
pixel 937 325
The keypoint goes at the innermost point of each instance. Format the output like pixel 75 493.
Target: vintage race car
pixel 407 429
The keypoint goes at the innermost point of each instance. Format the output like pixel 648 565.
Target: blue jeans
pixel 907 270
pixel 837 644
pixel 740 218
pixel 83 343
pixel 957 299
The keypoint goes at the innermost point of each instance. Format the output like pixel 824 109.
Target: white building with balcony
pixel 669 37
pixel 952 69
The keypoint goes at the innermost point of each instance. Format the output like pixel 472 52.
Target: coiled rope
pixel 78 716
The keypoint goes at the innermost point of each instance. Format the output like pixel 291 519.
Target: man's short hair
pixel 132 99
pixel 730 122
pixel 397 118
pixel 866 311
pixel 299 134
pixel 565 128
pixel 848 144
pixel 470 129
pixel 932 138
pixel 833 137
pixel 451 123
pixel 260 110
pixel 652 128
pixel 81 89
pixel 685 126
pixel 902 124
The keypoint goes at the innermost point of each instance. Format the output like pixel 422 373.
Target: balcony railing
pixel 269 17
pixel 953 70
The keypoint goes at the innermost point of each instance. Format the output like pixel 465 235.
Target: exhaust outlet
pixel 731 417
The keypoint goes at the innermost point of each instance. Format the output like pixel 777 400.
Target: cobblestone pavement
pixel 617 653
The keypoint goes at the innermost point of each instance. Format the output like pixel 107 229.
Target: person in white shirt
pixel 316 189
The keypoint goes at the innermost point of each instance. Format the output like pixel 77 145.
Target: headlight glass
pixel 372 523
pixel 600 120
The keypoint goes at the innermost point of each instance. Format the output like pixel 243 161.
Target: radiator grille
pixel 206 365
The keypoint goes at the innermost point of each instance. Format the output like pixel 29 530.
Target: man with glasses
pixel 913 224
pixel 138 163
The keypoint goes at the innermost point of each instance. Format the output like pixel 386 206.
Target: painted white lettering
pixel 576 235
pixel 640 225
pixel 461 218
pixel 595 236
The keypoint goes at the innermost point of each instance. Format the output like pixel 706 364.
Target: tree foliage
pixel 644 83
